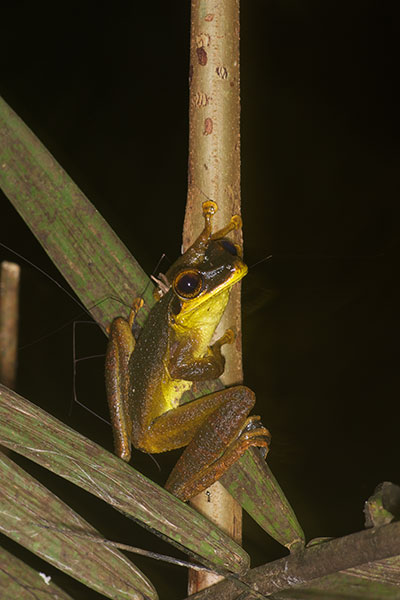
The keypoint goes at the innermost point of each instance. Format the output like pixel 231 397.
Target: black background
pixel 104 86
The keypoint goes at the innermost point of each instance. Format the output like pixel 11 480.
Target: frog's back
pixel 153 391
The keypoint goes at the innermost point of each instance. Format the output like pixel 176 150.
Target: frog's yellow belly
pixel 165 396
pixel 201 323
pixel 172 390
pixel 200 327
pixel 163 393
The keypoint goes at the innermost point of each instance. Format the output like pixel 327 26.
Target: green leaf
pixel 85 249
pixel 17 580
pixel 27 507
pixel 30 431
pixel 252 484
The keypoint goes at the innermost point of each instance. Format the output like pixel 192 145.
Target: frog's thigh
pixel 218 443
pixel 120 347
pixel 177 427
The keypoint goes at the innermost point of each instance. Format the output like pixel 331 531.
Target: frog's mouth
pixel 237 273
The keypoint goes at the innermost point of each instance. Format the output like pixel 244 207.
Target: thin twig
pixel 99 540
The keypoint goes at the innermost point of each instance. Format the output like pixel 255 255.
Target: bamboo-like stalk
pixel 9 303
pixel 9 318
pixel 214 173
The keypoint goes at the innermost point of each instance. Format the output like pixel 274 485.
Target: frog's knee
pixel 246 396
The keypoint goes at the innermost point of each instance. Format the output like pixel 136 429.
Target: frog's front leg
pixel 210 366
pixel 220 440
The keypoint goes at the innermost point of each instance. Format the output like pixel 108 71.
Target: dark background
pixel 104 86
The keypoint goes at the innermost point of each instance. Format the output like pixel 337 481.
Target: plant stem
pixel 9 318
pixel 214 173
pixel 9 302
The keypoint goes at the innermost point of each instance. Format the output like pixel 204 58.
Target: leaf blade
pixel 252 484
pixel 93 260
pixel 18 580
pixel 23 500
pixel 30 431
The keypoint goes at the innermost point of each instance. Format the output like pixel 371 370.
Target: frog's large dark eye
pixel 229 247
pixel 188 284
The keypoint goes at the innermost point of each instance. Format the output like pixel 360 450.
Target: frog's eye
pixel 188 284
pixel 229 247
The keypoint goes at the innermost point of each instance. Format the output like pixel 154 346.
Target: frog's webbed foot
pixel 256 429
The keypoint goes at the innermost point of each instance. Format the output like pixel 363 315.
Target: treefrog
pixel 145 379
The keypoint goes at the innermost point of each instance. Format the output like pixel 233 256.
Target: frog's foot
pixel 234 223
pixel 259 437
pixel 253 424
pixel 136 306
pixel 209 208
pixel 227 338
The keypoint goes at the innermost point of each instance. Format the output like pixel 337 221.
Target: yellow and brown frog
pixel 145 379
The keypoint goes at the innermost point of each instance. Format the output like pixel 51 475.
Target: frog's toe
pixel 259 435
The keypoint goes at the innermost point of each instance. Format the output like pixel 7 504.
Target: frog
pixel 147 377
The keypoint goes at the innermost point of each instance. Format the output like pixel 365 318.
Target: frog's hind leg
pixel 218 444
pixel 121 344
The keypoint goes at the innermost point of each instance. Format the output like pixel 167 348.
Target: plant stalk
pixel 214 173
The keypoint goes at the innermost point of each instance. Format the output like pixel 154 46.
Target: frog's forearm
pixel 209 367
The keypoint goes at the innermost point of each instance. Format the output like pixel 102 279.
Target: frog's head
pixel 210 267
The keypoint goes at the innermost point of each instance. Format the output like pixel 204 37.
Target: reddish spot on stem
pixel 208 126
pixel 222 72
pixel 209 17
pixel 201 56
pixel 200 99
